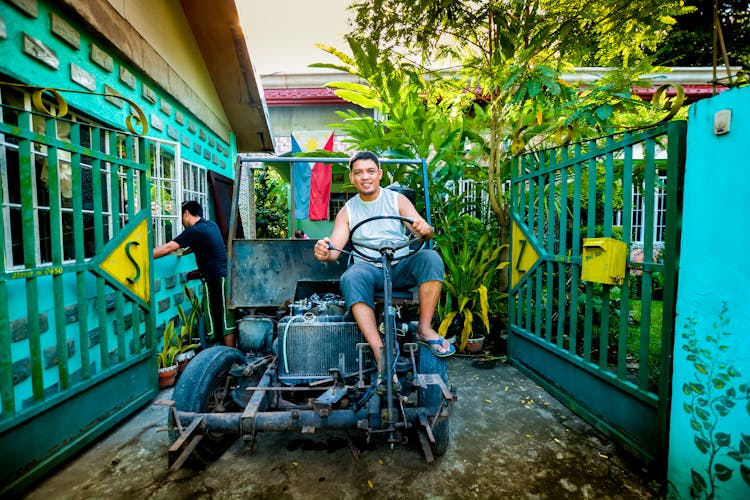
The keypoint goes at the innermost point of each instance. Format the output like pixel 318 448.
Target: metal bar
pixel 119 324
pixel 590 232
pixel 97 170
pixel 314 159
pixel 575 270
pixel 130 186
pixel 7 395
pixel 607 222
pixel 145 197
pixel 561 267
pixel 648 245
pixel 530 227
pixel 28 222
pixel 78 241
pixel 550 225
pixel 284 421
pixel 538 235
pixel 675 170
pixel 426 182
pixel 53 186
pixel 627 210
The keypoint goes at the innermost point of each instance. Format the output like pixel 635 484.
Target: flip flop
pixel 438 342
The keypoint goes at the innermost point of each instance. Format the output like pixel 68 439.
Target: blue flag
pixel 301 172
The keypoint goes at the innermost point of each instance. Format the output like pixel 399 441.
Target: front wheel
pixel 205 387
pixel 431 397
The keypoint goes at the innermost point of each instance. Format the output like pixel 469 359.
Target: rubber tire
pixel 432 397
pixel 206 373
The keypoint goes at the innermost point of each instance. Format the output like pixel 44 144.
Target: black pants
pixel 218 322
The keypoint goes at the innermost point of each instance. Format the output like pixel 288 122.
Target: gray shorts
pixel 360 281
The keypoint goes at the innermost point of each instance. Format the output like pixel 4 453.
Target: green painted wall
pixel 709 454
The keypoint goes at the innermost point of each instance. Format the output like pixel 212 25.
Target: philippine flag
pixel 311 183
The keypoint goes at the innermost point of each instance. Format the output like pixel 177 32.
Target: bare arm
pixel 420 226
pixel 338 238
pixel 165 249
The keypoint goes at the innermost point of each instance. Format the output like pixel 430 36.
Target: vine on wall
pixel 714 391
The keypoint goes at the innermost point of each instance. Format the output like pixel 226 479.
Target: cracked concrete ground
pixel 509 439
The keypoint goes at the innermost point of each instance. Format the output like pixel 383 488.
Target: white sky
pixel 281 34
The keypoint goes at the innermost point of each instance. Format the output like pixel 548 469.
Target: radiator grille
pixel 308 350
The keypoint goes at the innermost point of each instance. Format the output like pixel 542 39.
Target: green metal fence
pixel 76 329
pixel 602 348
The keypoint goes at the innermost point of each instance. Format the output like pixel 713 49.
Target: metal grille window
pixel 171 186
pixel 194 183
pixel 165 193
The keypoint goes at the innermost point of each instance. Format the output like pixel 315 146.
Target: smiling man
pixel 360 281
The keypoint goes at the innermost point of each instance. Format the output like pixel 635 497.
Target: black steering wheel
pixel 387 246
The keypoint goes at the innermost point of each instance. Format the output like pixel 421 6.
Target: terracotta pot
pixel 474 345
pixel 167 376
pixel 183 359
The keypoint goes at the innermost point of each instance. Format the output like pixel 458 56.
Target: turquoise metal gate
pixel 602 345
pixel 76 329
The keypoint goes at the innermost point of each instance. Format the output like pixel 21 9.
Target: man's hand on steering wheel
pixel 423 229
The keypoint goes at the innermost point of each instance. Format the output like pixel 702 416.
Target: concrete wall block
pixel 50 354
pixel 71 314
pixel 19 329
pixel 170 282
pixel 93 337
pixel 21 370
pixel 164 304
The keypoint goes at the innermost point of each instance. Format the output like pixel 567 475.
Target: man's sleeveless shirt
pixel 376 232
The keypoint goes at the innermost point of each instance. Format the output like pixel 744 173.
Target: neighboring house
pixel 148 100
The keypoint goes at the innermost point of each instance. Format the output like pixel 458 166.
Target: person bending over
pixel 204 239
pixel 359 282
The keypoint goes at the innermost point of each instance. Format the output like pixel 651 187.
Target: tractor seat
pixel 400 296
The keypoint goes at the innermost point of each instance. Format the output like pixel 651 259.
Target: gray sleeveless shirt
pixel 376 232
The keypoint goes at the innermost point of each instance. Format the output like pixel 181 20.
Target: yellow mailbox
pixel 603 260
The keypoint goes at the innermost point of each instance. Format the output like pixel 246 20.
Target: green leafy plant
pixel 189 322
pixel 712 396
pixel 177 341
pixel 470 271
pixel 169 347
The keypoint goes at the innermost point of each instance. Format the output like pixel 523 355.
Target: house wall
pixel 709 449
pixel 165 28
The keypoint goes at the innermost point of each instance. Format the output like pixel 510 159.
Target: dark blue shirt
pixel 204 238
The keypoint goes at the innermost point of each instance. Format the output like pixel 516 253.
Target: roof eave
pixel 217 31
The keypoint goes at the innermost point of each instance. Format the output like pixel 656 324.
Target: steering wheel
pixel 387 245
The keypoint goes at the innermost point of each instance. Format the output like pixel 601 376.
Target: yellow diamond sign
pixel 128 262
pixel 524 253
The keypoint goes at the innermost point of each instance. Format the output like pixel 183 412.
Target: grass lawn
pixel 654 340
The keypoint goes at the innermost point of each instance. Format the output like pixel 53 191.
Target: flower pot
pixel 183 359
pixel 167 376
pixel 474 345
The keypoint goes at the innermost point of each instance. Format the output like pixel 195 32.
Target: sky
pixel 281 34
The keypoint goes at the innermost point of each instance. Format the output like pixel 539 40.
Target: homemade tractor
pixel 304 366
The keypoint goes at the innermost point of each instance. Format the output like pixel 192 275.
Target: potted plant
pixel 470 269
pixel 166 357
pixel 186 346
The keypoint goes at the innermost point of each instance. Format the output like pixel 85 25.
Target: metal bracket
pixel 186 443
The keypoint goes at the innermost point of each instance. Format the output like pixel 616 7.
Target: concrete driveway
pixel 509 439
